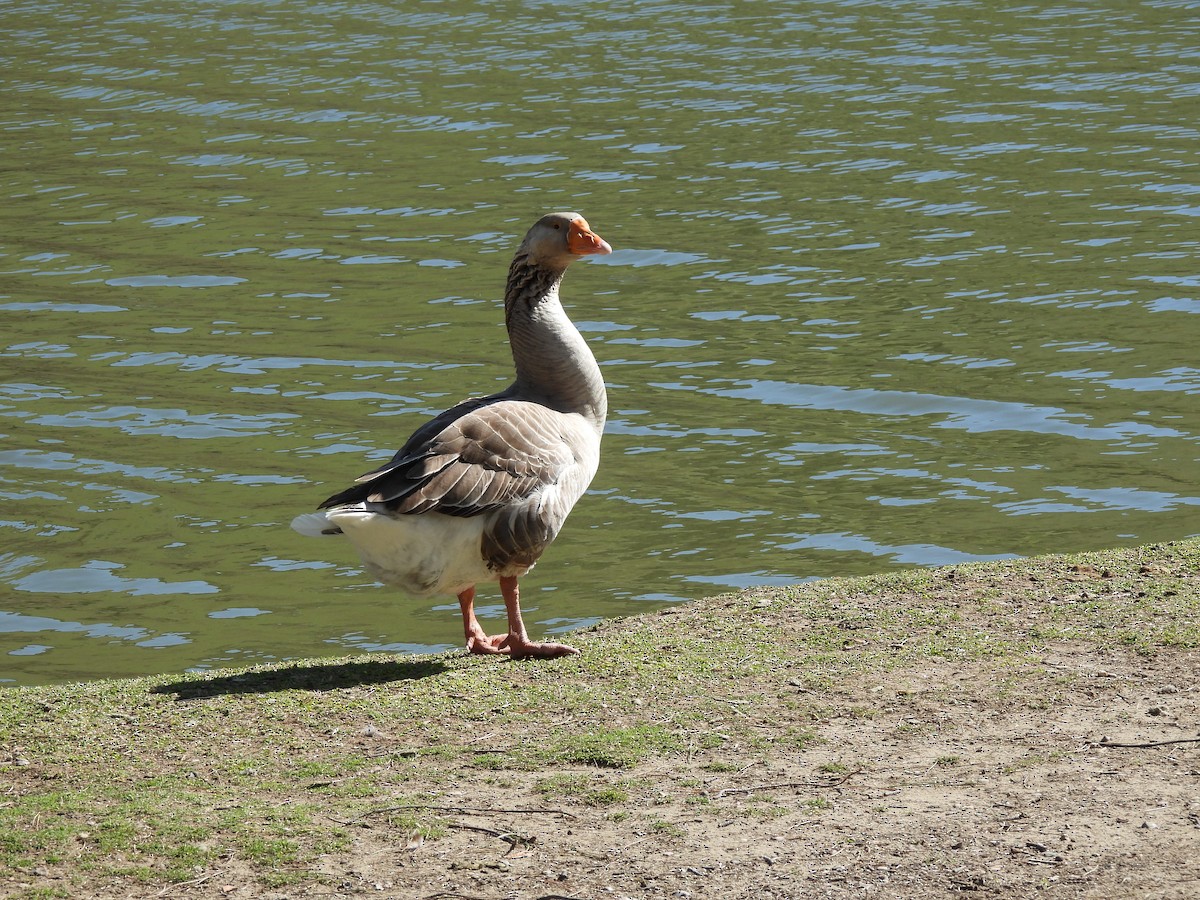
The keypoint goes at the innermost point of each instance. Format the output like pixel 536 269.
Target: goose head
pixel 557 239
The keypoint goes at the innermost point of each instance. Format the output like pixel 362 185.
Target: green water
pixel 895 284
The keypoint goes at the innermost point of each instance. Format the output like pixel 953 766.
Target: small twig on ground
pixel 835 782
pixel 465 810
pixel 510 838
pixel 617 851
pixel 725 792
pixel 192 883
pixel 826 783
pixel 1105 742
pixel 735 704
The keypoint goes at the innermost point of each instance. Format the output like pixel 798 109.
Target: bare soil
pixel 841 753
pixel 945 791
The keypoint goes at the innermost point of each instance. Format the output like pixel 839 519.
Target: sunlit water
pixel 896 284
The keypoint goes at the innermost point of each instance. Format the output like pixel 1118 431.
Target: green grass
pixel 613 748
pixel 148 780
pixel 584 788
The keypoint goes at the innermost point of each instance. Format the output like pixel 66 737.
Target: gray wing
pixel 483 456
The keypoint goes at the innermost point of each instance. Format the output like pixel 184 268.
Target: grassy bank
pixel 926 733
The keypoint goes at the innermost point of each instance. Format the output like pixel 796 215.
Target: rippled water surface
pixel 896 283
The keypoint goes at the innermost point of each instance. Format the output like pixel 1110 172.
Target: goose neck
pixel 554 364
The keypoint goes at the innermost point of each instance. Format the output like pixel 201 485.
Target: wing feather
pixel 479 456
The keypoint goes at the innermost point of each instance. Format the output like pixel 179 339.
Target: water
pixel 896 284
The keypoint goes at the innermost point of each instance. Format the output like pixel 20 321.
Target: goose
pixel 479 492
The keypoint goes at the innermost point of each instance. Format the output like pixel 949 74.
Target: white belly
pixel 422 555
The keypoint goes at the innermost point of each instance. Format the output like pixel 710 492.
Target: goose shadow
pixel 315 677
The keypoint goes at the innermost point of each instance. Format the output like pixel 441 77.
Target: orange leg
pixel 477 640
pixel 517 643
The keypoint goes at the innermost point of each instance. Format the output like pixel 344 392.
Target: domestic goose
pixel 479 492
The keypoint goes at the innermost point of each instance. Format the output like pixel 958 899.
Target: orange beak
pixel 582 241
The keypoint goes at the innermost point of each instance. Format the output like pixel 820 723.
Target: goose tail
pixel 314 525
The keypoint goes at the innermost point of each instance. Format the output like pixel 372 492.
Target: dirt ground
pixel 1068 771
pixel 944 792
